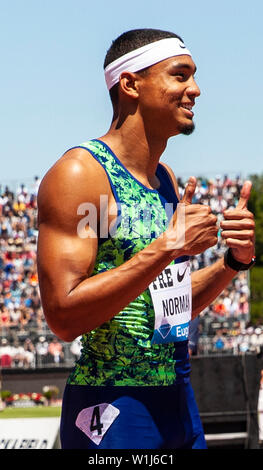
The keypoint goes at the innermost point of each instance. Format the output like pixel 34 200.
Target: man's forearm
pixel 208 283
pixel 98 298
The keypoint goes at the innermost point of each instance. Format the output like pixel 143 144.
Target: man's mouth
pixel 188 108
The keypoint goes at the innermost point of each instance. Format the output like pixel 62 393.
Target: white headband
pixel 144 57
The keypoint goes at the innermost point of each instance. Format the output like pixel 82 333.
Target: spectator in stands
pixel 5 320
pixel 5 354
pixel 219 341
pixel 55 349
pixel 243 305
pixel 35 186
pixel 15 316
pixel 243 342
pixel 219 307
pixel 18 354
pixel 25 316
pixel 29 353
pixel 42 351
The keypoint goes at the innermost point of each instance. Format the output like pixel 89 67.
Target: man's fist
pixel 238 228
pixel 193 228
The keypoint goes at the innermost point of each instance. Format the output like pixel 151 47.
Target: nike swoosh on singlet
pixel 181 276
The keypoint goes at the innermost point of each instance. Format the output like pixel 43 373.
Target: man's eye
pixel 181 76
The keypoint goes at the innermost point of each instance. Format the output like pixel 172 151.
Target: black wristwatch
pixel 236 265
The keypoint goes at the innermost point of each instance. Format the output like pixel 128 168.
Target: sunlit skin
pixel 150 111
pixel 168 87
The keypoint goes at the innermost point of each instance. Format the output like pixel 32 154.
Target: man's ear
pixel 128 84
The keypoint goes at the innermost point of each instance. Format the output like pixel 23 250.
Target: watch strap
pixel 236 265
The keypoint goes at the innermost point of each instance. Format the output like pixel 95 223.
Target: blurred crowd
pixel 26 340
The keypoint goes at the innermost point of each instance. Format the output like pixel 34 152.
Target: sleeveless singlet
pixel 120 351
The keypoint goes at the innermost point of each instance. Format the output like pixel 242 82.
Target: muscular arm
pixel 208 283
pixel 74 302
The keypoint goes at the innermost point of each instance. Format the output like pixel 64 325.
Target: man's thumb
pixel 244 195
pixel 189 191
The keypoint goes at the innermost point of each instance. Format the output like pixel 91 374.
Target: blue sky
pixel 53 95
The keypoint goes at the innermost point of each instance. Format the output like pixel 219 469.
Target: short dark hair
pixel 129 41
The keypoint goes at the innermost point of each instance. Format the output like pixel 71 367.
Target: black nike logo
pixel 183 47
pixel 181 276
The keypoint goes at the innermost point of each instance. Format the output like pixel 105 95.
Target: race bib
pixel 171 294
pixel 96 420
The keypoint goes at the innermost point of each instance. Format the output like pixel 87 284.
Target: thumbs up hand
pixel 238 228
pixel 193 227
pixel 189 191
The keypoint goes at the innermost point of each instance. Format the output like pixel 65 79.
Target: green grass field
pixel 32 412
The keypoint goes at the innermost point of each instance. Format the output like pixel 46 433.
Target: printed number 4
pixel 95 421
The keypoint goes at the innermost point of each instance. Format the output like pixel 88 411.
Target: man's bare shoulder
pixel 74 179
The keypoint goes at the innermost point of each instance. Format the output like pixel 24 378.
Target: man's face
pixel 167 95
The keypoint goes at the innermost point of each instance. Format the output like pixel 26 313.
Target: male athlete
pixel 113 257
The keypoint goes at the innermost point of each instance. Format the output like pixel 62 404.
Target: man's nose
pixel 193 89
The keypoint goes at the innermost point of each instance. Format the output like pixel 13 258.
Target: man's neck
pixel 139 152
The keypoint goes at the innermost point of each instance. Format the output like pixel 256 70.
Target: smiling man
pixel 113 257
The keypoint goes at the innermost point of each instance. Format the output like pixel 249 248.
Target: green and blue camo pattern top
pixel 119 352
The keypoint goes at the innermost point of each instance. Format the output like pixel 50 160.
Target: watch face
pixel 249 265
